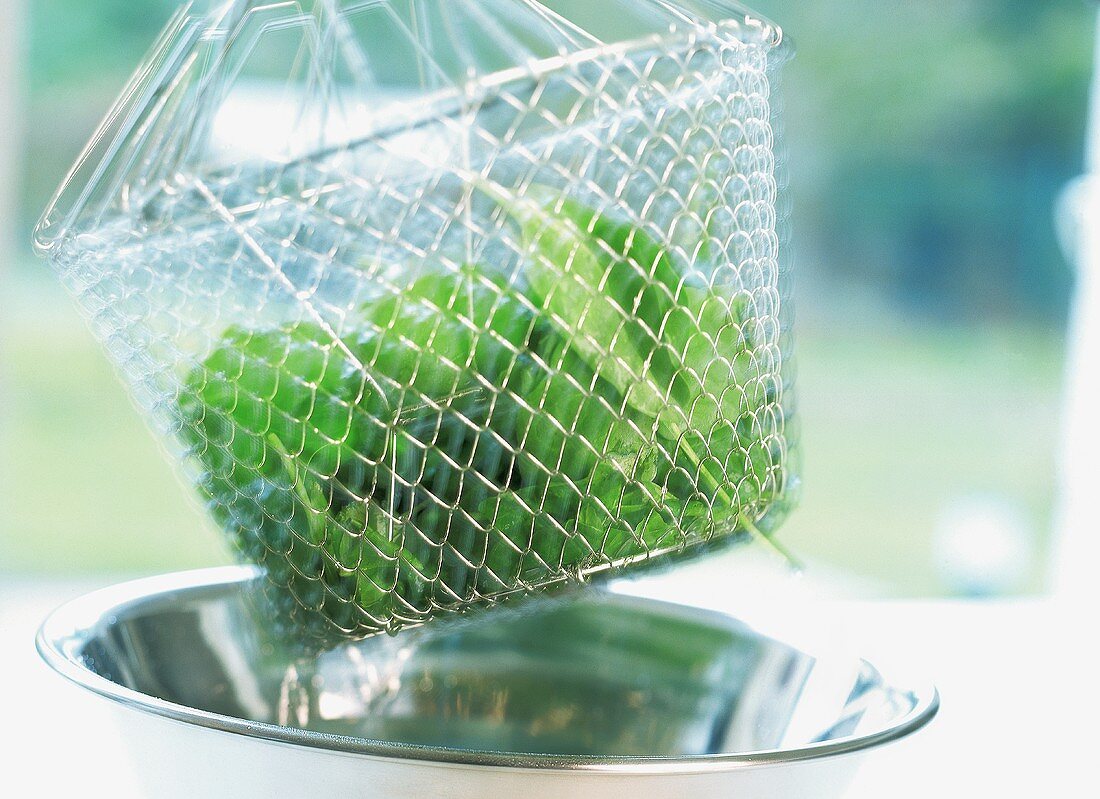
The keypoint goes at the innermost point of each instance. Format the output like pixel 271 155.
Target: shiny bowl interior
pixel 590 679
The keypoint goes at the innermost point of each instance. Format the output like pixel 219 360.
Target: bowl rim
pixel 67 626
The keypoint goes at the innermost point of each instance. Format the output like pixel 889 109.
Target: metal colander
pixel 442 301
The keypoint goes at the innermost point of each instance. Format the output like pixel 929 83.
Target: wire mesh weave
pixel 430 332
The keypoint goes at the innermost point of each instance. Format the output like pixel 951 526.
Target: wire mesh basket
pixel 442 301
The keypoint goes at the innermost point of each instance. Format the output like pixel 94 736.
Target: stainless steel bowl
pixel 595 694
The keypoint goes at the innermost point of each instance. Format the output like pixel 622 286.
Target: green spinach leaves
pixel 474 434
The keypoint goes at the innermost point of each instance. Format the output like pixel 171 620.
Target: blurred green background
pixel 927 145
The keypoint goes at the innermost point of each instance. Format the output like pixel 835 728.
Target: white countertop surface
pixel 1017 678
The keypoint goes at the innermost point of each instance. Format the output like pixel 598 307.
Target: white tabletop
pixel 1017 717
